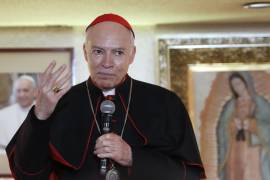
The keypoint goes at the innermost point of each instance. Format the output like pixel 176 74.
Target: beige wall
pixel 47 37
pixel 145 66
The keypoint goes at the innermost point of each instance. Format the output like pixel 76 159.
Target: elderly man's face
pixel 109 50
pixel 25 93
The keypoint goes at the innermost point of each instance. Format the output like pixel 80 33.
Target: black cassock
pixel 158 129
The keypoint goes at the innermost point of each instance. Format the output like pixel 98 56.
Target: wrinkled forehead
pixel 106 33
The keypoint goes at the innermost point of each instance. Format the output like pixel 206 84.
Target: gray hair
pixel 24 77
pixel 15 85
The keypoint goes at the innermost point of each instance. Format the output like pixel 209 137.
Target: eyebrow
pixel 96 47
pixel 121 49
pixel 114 49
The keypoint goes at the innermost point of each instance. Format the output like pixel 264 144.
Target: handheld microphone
pixel 107 108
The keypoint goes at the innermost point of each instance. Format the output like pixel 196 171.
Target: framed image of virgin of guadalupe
pixel 233 108
pixel 180 62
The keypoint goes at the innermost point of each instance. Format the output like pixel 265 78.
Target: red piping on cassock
pixel 58 157
pixel 132 122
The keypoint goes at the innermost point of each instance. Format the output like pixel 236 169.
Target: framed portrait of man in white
pixel 19 69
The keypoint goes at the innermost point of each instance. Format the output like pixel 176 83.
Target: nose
pixel 107 61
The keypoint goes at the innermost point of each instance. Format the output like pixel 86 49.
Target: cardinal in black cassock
pixel 158 129
pixel 150 120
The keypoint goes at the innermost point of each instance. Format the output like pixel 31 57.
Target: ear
pixel 85 53
pixel 132 55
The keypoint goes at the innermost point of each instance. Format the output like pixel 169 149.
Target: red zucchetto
pixel 112 18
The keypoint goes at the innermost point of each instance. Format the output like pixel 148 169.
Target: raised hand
pixel 114 147
pixel 51 87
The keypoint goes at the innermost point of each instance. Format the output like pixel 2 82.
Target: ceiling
pixel 138 12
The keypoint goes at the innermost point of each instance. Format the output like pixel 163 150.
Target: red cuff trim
pixel 194 164
pixel 202 175
pixel 53 176
pixel 10 160
pixel 13 164
pixel 30 173
pixel 185 174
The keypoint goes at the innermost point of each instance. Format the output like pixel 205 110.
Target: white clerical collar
pixel 110 92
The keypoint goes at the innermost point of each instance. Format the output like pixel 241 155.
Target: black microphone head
pixel 107 107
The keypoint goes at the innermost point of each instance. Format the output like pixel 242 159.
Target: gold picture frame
pixel 176 56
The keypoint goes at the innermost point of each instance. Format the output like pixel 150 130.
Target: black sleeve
pixel 28 152
pixel 180 159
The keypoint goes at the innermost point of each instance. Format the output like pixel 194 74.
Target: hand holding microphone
pixel 107 108
pixel 111 145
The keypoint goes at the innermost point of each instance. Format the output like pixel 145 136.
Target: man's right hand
pixel 51 87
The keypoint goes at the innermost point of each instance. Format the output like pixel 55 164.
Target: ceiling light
pixel 256 5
